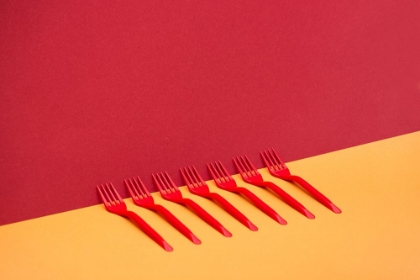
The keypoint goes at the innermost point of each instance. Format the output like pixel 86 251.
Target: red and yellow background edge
pixel 376 236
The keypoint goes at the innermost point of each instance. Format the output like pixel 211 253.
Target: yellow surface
pixel 376 237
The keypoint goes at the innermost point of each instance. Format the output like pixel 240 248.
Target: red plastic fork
pixel 198 186
pixel 251 175
pixel 170 192
pixel 142 197
pixel 225 181
pixel 278 169
pixel 114 204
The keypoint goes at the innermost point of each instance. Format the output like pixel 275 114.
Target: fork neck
pixel 127 214
pixel 264 184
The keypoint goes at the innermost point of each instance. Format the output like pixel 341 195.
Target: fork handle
pixel 288 199
pixel 148 230
pixel 232 210
pixel 203 214
pixel 314 192
pixel 176 223
pixel 261 205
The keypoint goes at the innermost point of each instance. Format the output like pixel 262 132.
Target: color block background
pixel 376 236
pixel 97 91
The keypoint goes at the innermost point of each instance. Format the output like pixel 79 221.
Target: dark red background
pixel 98 91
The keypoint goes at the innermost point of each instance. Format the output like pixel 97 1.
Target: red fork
pixel 142 197
pixel 278 169
pixel 225 181
pixel 114 204
pixel 251 175
pixel 198 186
pixel 170 192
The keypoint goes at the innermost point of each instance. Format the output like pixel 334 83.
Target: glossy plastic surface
pixel 114 204
pixel 225 181
pixel 278 168
pixel 251 175
pixel 198 186
pixel 142 197
pixel 170 192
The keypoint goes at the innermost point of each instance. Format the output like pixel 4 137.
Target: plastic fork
pixel 170 192
pixel 114 204
pixel 251 175
pixel 198 186
pixel 141 197
pixel 224 180
pixel 277 168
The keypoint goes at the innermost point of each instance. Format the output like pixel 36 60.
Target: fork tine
pixel 264 157
pixel 192 177
pixel 201 180
pixel 216 172
pixel 187 178
pixel 267 158
pixel 101 193
pixel 276 155
pixel 227 174
pixel 143 187
pixel 272 158
pixel 276 163
pixel 110 194
pixel 219 172
pixel 130 187
pixel 164 183
pixel 138 188
pixel 116 193
pixel 172 185
pixel 240 167
pixel 107 193
pixel 252 165
pixel 213 171
pixel 157 183
pixel 246 166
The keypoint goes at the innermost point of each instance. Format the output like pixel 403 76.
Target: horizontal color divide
pixel 375 237
pixel 95 92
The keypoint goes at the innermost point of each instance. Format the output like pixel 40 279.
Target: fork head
pixel 167 187
pixel 274 164
pixel 139 193
pixel 221 176
pixel 111 199
pixel 194 182
pixel 247 170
